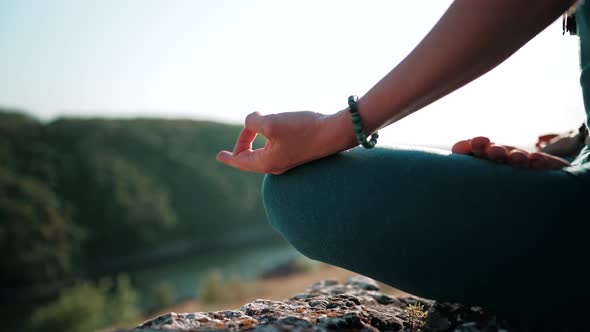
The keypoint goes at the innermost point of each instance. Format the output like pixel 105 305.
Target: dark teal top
pixel 582 20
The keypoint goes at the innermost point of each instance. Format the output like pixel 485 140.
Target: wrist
pixel 370 122
pixel 337 133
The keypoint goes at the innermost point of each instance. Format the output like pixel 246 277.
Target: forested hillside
pixel 83 197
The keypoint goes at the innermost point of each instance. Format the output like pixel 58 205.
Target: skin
pixel 481 147
pixel 496 29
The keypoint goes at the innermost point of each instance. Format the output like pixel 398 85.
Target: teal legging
pixel 444 226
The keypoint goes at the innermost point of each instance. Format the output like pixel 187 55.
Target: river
pixel 186 273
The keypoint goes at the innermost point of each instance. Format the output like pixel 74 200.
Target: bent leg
pixel 441 226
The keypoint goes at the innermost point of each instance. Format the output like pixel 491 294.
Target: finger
pixel 249 160
pixel 258 123
pixel 554 162
pixel 537 161
pixel 518 158
pixel 462 147
pixel 497 153
pixel 479 146
pixel 224 157
pixel 245 140
pixel 540 160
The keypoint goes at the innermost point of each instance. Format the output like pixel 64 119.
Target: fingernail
pixel 223 155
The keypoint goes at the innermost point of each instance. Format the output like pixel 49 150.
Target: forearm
pixel 471 38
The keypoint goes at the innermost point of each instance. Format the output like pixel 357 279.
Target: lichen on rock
pixel 328 305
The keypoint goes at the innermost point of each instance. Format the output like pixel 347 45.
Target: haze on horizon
pixel 222 59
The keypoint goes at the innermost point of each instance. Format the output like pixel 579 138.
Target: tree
pixel 35 233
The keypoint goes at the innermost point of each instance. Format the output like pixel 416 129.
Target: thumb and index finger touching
pixel 255 124
pixel 242 156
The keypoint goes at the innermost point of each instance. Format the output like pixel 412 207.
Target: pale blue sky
pixel 221 59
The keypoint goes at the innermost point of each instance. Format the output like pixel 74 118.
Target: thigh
pixel 437 225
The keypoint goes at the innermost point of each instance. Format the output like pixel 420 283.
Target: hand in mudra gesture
pixel 481 147
pixel 293 138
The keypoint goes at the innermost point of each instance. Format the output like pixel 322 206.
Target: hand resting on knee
pixel 482 147
pixel 293 138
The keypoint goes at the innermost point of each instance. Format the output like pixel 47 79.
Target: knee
pixel 271 193
pixel 286 211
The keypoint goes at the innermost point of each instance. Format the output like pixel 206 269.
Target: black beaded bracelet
pixel 357 125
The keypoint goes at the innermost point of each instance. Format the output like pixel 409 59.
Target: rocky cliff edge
pixel 328 305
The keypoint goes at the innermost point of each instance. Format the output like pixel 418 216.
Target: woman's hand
pixel 293 139
pixel 481 147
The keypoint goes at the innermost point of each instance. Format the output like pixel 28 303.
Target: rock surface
pixel 330 306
